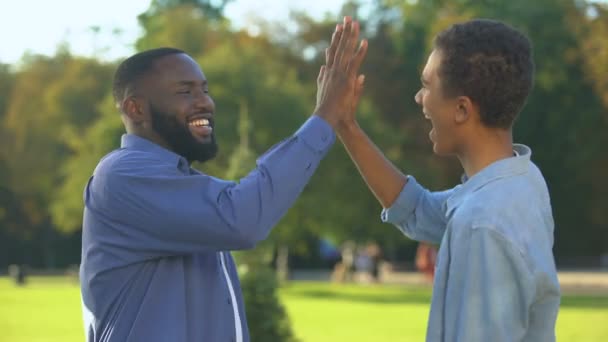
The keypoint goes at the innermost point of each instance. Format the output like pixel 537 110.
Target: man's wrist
pixel 330 119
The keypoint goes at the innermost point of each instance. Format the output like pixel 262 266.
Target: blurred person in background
pixel 426 257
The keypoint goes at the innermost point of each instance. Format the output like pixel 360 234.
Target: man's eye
pixel 187 91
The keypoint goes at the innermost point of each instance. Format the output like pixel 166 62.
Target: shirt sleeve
pixel 495 288
pixel 418 212
pixel 152 209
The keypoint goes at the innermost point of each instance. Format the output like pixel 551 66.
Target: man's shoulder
pixel 117 171
pixel 124 160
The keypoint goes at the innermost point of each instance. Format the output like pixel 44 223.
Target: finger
pixel 335 39
pixel 359 88
pixel 321 74
pixel 357 60
pixel 346 34
pixel 331 51
pixel 351 45
pixel 345 41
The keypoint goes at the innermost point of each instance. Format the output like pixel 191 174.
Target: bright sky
pixel 39 26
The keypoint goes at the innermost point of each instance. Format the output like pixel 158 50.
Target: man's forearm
pixel 382 177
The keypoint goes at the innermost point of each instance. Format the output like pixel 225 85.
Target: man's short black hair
pixel 134 67
pixel 491 63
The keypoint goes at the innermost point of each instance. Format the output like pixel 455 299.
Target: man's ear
pixel 134 108
pixel 465 108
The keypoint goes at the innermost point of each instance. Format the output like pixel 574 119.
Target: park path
pixel 572 282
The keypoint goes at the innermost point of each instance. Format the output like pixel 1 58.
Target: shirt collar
pixel 515 165
pixel 135 142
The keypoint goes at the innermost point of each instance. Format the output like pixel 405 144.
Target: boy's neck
pixel 484 149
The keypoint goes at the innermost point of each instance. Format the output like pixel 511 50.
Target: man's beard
pixel 180 139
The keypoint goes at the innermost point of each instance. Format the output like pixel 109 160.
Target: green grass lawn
pixel 48 310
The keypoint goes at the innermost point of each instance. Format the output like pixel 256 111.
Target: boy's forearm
pixel 382 177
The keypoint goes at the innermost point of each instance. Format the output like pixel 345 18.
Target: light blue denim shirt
pixel 156 265
pixel 495 277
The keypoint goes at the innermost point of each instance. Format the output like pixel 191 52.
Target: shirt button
pixel 308 166
pixel 229 301
pixel 324 137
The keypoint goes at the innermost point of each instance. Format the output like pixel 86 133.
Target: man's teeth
pixel 200 122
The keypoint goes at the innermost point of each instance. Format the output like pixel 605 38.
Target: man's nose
pixel 204 102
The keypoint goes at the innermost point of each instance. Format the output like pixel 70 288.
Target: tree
pixel 594 48
pixel 211 9
pixel 7 80
pixel 194 26
pixel 87 147
pixel 51 97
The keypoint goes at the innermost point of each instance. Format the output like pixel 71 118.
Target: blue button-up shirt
pixel 495 278
pixel 156 235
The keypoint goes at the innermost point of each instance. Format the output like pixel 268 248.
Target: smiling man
pixel 157 234
pixel 495 278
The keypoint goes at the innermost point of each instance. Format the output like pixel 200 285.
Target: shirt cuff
pixel 406 203
pixel 317 134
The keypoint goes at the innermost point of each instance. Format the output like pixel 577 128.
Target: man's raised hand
pixel 339 84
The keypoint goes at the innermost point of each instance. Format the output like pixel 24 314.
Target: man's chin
pixel 206 153
pixel 204 140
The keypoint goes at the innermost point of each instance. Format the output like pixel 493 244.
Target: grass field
pixel 48 310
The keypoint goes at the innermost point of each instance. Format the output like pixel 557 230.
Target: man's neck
pixel 151 136
pixel 485 149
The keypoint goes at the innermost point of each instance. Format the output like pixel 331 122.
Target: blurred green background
pixel 48 310
pixel 57 119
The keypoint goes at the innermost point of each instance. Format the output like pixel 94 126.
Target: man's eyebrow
pixel 192 83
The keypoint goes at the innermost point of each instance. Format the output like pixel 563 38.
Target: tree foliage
pixel 57 117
